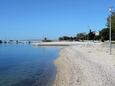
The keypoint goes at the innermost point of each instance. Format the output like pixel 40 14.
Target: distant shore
pixel 64 43
pixel 85 65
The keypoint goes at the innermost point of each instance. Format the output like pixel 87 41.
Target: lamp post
pixel 110 45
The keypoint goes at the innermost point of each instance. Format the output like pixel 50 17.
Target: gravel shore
pixel 85 66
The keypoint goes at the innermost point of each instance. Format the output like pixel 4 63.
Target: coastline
pixel 64 43
pixel 84 65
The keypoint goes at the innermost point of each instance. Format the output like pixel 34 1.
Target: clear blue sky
pixel 32 19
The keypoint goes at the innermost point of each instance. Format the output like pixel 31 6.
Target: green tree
pixel 112 21
pixel 60 38
pixel 91 35
pixel 66 38
pixel 81 36
pixel 104 34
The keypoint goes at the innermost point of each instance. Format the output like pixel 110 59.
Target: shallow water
pixel 24 65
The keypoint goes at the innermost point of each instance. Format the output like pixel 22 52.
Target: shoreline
pixel 65 43
pixel 85 66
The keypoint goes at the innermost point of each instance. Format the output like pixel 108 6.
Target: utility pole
pixel 110 45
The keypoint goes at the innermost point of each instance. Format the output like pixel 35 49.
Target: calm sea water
pixel 24 65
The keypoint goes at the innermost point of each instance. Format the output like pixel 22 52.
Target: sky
pixel 36 19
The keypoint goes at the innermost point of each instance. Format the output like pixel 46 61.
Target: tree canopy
pixel 66 38
pixel 104 33
pixel 112 21
pixel 91 35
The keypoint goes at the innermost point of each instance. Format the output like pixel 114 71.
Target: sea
pixel 27 65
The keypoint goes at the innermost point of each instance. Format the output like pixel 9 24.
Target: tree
pixel 60 38
pixel 112 24
pixel 91 35
pixel 104 34
pixel 71 38
pixel 112 21
pixel 81 36
pixel 97 37
pixel 66 38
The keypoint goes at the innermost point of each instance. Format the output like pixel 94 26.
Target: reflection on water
pixel 24 65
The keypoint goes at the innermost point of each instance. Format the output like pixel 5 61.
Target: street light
pixel 110 45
